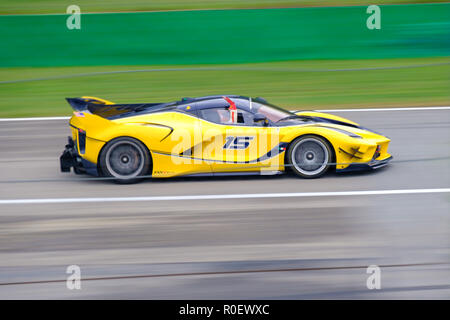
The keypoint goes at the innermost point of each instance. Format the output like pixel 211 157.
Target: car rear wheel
pixel 125 159
pixel 309 156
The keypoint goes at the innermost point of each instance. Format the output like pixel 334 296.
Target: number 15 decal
pixel 237 142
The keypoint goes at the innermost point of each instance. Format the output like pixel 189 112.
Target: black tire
pixel 125 159
pixel 309 156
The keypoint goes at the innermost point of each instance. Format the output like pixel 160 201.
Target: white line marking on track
pixel 327 110
pixel 226 196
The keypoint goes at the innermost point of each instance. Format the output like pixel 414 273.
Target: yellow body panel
pixel 181 144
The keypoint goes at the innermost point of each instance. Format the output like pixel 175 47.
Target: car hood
pixel 335 122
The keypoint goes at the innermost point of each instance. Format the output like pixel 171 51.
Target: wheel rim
pixel 310 156
pixel 125 160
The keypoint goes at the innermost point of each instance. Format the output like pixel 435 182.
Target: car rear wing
pixel 107 109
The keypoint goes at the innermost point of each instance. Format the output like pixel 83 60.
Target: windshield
pixel 271 112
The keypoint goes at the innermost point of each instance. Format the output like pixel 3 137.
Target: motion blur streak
pixel 211 238
pixel 249 69
pixel 223 272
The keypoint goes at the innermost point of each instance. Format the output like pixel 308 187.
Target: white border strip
pixel 225 196
pixel 328 110
pixel 388 109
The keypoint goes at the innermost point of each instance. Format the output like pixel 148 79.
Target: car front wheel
pixel 309 156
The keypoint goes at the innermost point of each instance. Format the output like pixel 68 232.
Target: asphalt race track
pixel 247 248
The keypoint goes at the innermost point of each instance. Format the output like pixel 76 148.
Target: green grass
pixel 58 6
pixel 279 82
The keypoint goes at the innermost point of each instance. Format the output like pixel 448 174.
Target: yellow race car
pixel 214 135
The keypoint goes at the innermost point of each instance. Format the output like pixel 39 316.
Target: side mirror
pixel 259 118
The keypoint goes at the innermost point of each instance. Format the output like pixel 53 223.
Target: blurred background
pixel 299 57
pixel 296 54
